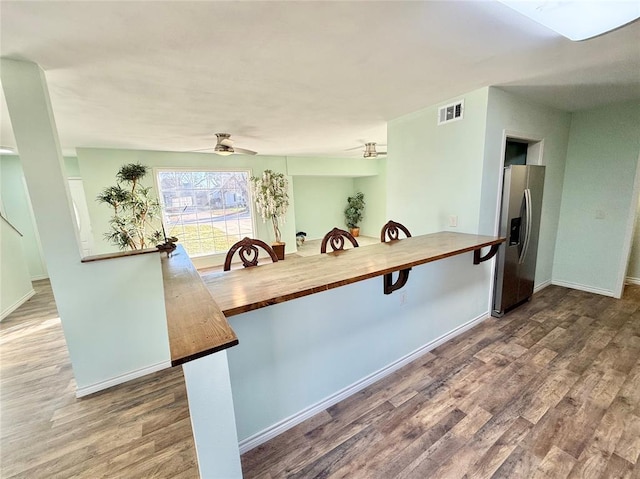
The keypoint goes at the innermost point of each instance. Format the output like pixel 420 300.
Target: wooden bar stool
pixel 392 230
pixel 335 238
pixel 247 249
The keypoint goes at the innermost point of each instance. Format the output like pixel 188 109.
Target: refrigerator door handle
pixel 527 231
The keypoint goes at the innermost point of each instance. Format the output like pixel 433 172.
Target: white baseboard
pixel 582 287
pixel 287 423
pixel 631 280
pixel 94 388
pixel 16 305
pixel 541 286
pixel 39 277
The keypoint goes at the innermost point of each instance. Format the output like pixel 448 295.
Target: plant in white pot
pixel 353 212
pixel 271 195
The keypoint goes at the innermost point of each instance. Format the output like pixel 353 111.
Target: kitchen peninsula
pixel 339 334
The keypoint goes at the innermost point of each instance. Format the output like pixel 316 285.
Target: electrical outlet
pixel 453 221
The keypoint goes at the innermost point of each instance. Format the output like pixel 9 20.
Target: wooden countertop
pixel 242 290
pixel 195 323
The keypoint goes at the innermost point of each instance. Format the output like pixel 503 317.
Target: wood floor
pixel 551 390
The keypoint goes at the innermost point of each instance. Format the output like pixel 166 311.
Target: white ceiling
pixel 292 78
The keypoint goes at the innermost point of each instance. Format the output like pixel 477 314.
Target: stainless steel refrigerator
pixel 520 224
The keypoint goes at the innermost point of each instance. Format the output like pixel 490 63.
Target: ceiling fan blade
pixel 201 149
pixel 242 151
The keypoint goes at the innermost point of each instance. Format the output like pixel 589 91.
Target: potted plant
pixel 353 212
pixel 134 210
pixel 271 195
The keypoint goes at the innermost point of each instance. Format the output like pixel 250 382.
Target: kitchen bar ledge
pixel 242 290
pixel 195 324
pixel 198 307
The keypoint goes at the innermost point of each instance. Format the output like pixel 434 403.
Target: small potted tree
pixel 135 210
pixel 271 195
pixel 353 212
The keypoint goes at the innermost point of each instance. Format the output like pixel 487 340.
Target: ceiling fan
pixel 224 146
pixel 370 150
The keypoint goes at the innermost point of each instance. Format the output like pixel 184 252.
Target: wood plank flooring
pixel 551 390
pixel 140 429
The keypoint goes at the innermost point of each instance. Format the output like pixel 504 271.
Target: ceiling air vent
pixel 452 112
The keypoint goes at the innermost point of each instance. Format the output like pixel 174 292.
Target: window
pixel 207 210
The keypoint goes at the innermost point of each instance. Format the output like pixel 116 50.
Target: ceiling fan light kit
pixel 224 152
pixel 224 146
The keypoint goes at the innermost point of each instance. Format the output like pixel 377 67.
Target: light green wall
pixel 297 355
pixel 602 159
pixel 15 283
pixel 633 270
pixel 319 188
pixel 434 171
pixel 510 113
pixel 112 312
pixel 15 199
pixel 375 194
pixel 99 167
pixel 320 203
pixel 312 166
pixel 71 166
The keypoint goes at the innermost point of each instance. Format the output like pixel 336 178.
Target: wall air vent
pixel 452 112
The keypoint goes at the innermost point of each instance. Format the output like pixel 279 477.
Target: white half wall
pixel 296 354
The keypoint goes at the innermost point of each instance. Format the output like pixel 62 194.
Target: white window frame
pixel 252 209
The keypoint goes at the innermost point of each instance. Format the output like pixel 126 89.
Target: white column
pixel 212 416
pixel 112 312
pixel 35 131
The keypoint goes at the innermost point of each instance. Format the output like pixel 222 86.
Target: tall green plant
pixel 355 209
pixel 270 192
pixel 135 210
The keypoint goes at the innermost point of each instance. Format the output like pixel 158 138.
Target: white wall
pixel 597 198
pixel 320 202
pixel 508 112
